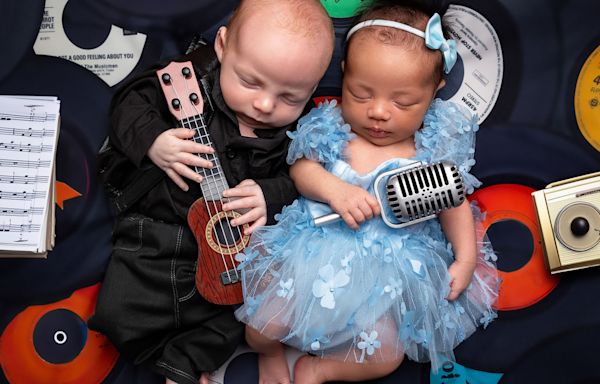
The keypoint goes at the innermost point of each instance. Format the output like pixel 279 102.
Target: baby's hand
pixel 247 198
pixel 461 273
pixel 174 153
pixel 354 204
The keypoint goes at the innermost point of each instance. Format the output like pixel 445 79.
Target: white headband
pixel 433 35
pixel 384 23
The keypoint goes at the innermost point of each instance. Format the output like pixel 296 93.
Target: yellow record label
pixel 587 99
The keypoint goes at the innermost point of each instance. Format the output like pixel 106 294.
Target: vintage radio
pixel 568 213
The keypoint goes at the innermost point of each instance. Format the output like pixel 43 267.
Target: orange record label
pixel 532 282
pixel 587 99
pixel 33 351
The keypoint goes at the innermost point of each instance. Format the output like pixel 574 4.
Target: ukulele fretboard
pixel 214 181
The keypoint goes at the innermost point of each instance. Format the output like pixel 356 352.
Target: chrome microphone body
pixel 414 193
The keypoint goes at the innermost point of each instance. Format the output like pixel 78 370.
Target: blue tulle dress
pixel 375 293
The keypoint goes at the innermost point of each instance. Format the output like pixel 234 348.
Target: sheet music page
pixel 28 140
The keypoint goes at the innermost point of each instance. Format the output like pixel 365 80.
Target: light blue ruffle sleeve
pixel 448 133
pixel 322 135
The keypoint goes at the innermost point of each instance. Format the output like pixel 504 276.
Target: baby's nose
pixel 264 103
pixel 378 111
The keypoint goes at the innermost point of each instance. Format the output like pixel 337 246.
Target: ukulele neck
pixel 213 179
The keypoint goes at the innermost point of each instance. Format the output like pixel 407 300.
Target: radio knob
pixel 580 226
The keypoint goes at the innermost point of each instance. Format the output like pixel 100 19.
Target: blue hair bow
pixel 434 39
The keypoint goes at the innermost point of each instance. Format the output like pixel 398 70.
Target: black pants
pixel 149 306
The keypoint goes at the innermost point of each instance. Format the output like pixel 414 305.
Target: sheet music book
pixel 29 127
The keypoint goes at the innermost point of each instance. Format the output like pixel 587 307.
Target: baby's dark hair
pixel 411 12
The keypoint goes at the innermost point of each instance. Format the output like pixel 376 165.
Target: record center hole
pixel 512 243
pixel 60 337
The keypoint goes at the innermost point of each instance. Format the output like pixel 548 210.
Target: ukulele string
pixel 211 182
pixel 185 122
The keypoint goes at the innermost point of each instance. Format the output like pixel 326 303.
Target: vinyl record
pixel 112 58
pixel 491 92
pixel 331 83
pixel 520 154
pixel 175 18
pixel 580 37
pixel 566 358
pixel 532 282
pixel 477 76
pixel 512 338
pixel 587 99
pixel 20 22
pixel 52 342
pixel 537 85
pixel 83 225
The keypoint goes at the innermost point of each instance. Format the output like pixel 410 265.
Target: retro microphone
pixel 414 193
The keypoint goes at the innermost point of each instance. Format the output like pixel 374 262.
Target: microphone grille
pixel 424 191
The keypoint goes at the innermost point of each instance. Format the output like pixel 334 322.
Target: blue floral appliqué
pixel 286 288
pixel 346 262
pixel 408 332
pixel 394 288
pixel 329 281
pixel 321 135
pixel 487 318
pixel 252 304
pixel 368 344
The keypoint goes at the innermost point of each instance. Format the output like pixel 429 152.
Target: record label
pixel 476 78
pixel 112 61
pixel 587 99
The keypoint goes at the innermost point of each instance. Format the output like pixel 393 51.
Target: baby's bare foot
pixel 306 371
pixel 273 369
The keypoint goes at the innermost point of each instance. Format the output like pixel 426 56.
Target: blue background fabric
pixel 530 138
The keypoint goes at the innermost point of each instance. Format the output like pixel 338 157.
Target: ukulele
pixel 217 276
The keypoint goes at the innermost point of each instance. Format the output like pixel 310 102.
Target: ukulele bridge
pixel 230 277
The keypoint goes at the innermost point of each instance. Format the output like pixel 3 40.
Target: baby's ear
pixel 221 42
pixel 441 85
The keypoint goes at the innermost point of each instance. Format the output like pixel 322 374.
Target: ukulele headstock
pixel 180 87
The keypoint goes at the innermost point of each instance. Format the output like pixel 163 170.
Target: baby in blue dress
pixel 358 295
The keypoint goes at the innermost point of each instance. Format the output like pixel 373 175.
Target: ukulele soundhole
pixel 224 238
pixel 226 234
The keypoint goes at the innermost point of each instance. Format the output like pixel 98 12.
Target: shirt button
pixel 230 153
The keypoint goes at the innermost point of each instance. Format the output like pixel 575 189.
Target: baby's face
pixel 386 91
pixel 268 75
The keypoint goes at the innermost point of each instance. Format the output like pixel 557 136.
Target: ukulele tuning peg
pixel 175 103
pixel 194 98
pixel 186 72
pixel 166 78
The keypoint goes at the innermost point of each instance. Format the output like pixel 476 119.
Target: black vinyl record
pixel 565 358
pixel 83 225
pixel 179 18
pixel 509 153
pixel 19 25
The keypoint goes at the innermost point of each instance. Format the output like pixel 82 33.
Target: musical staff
pixel 27 132
pixel 28 141
pixel 24 163
pixel 23 195
pixel 12 146
pixel 20 212
pixel 32 117
pixel 25 179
